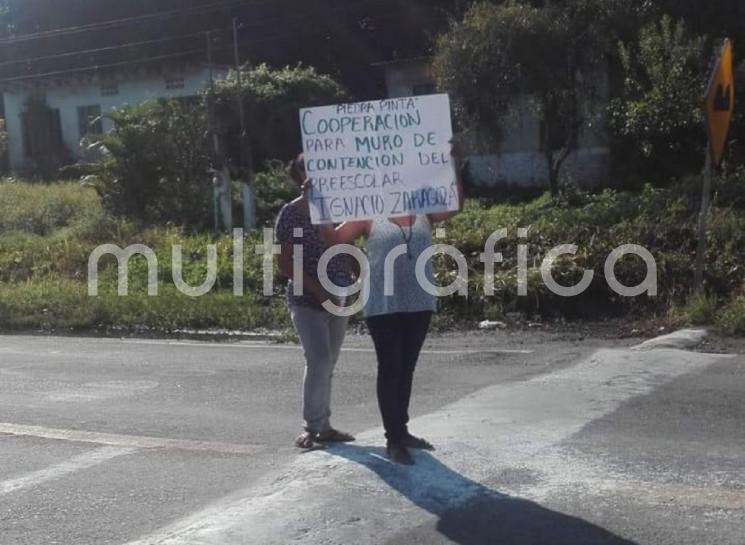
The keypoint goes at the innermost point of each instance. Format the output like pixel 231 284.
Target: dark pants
pixel 398 340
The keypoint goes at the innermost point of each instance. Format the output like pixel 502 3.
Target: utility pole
pixel 246 155
pixel 210 99
pixel 222 200
pixel 210 132
pixel 241 109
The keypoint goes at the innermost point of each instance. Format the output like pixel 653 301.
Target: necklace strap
pixel 408 238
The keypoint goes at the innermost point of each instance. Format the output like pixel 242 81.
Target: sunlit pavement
pixel 550 442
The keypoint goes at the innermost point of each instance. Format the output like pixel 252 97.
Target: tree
pixel 500 53
pixel 658 117
pixel 271 100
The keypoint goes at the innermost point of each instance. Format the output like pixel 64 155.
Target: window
pixel 89 120
pixel 174 83
pixel 109 90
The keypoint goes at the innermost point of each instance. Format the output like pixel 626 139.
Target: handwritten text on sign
pixel 387 158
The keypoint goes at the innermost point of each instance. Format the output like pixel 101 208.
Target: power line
pixel 148 59
pixel 134 61
pixel 122 22
pixel 100 66
pixel 103 49
pixel 144 18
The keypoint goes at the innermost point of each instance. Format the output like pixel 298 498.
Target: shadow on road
pixel 471 514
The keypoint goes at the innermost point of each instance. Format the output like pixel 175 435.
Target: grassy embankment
pixel 47 233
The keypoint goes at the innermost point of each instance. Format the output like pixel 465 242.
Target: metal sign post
pixel 702 220
pixel 719 106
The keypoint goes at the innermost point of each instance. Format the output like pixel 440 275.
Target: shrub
pixel 732 319
pixel 661 220
pixel 273 188
pixel 728 188
pixel 702 309
pixel 156 165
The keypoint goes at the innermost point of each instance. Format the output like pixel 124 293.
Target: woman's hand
pixel 456 157
pixel 307 188
pixel 319 293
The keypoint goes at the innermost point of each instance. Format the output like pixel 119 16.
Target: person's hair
pixel 296 169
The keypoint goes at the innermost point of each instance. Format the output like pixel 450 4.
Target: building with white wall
pixel 78 104
pixel 519 160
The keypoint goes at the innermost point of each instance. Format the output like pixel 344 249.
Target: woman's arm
pixel 311 284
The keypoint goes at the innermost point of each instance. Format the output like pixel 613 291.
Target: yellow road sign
pixel 720 102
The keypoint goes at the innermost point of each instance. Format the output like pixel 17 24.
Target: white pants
pixel 321 335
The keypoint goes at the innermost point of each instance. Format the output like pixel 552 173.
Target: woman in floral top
pixel 321 333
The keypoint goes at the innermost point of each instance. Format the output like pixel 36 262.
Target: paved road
pixel 555 442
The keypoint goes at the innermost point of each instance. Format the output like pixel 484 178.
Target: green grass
pixel 44 252
pixel 65 305
pixel 47 233
pixel 702 309
pixel 731 320
pixel 44 208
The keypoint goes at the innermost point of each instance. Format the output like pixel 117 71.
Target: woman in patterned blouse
pixel 321 333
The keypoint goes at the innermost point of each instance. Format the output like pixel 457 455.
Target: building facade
pixel 76 107
pixel 518 161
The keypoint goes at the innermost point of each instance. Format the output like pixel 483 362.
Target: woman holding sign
pixel 321 333
pixel 399 321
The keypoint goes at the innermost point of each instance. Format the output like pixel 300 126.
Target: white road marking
pixel 351 495
pixel 268 346
pixel 103 390
pixel 57 471
pixel 130 441
pixel 263 345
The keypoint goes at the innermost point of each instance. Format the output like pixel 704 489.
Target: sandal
pixel 411 441
pixel 307 441
pixel 334 436
pixel 399 454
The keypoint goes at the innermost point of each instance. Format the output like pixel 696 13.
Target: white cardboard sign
pixel 384 158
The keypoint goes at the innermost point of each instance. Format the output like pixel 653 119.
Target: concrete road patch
pixel 353 494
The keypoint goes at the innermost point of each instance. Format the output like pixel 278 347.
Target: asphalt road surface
pixel 547 442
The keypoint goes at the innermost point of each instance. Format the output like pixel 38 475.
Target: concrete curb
pixel 685 339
